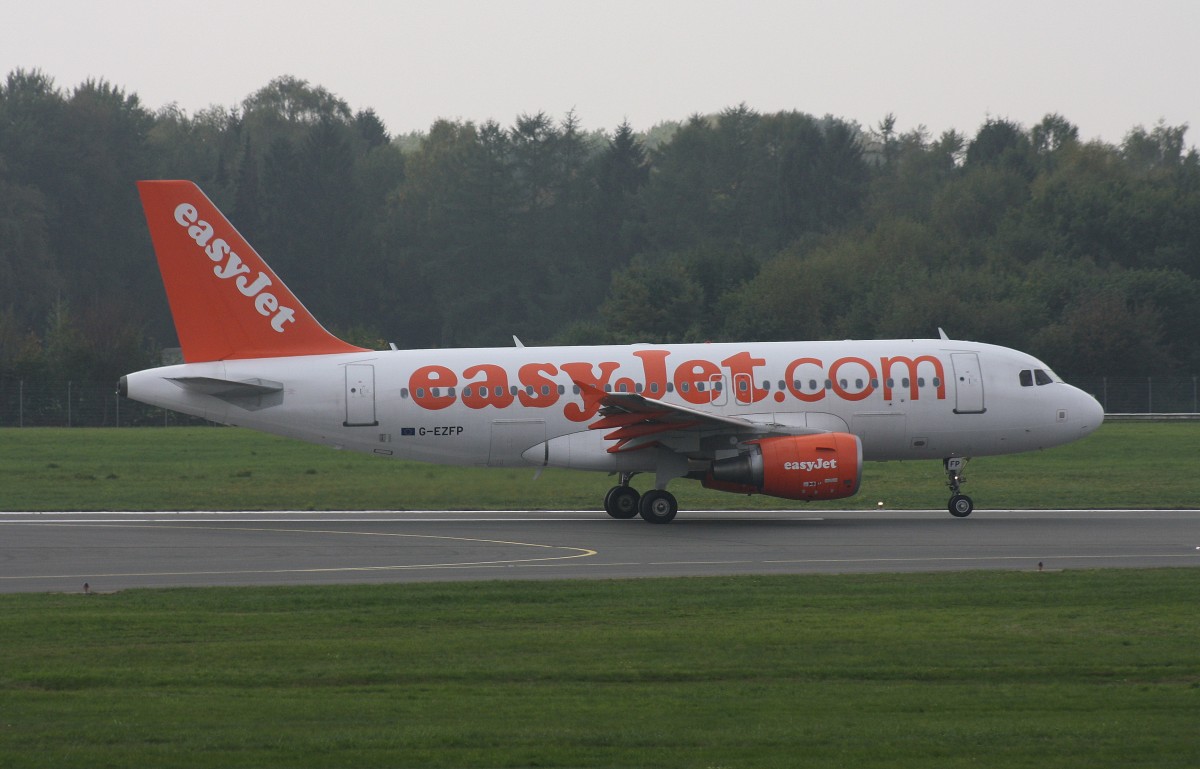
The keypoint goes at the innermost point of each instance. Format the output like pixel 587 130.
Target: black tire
pixel 622 502
pixel 658 506
pixel 961 505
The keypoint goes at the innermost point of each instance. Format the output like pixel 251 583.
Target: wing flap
pixel 637 422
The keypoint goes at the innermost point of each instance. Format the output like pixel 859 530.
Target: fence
pixel 62 403
pixel 1143 395
pixel 59 403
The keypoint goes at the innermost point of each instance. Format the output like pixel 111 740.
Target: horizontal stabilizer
pixel 226 388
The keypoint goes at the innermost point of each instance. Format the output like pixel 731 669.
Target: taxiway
pixel 116 551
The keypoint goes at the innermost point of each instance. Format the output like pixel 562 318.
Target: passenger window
pixel 654 387
pixel 1027 378
pixel 499 391
pixel 920 381
pixel 404 392
pixel 1041 377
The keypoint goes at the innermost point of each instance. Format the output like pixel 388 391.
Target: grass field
pixel 1123 465
pixel 1073 669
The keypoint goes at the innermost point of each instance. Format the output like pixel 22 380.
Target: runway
pixel 60 552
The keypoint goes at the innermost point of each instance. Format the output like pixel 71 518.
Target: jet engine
pixel 807 467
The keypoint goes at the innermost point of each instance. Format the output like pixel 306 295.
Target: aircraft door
pixel 513 437
pixel 968 383
pixel 360 396
pixel 884 436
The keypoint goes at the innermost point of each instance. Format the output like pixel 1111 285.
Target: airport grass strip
pixel 1123 465
pixel 1093 669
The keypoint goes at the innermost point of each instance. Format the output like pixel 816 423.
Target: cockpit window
pixel 1036 376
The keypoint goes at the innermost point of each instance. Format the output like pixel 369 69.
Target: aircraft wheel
pixel 961 505
pixel 658 506
pixel 622 502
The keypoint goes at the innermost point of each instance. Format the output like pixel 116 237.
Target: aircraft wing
pixel 637 422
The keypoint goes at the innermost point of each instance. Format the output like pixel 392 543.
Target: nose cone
pixel 1089 414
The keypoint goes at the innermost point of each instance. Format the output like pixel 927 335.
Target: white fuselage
pixel 905 399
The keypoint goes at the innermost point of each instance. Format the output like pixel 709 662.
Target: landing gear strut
pixel 622 501
pixel 960 504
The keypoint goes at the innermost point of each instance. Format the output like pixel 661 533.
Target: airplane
pixel 795 420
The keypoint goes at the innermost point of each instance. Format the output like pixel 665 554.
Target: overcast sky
pixel 1104 65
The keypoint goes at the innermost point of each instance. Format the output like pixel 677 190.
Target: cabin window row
pixel 716 386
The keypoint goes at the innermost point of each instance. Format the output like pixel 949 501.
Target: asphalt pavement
pixel 61 552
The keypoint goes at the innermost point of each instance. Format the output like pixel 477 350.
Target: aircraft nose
pixel 1088 412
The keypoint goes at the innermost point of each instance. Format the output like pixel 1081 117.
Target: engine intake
pixel 808 467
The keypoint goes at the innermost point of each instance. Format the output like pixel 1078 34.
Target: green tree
pixel 654 301
pixel 28 277
pixel 617 218
pixel 1054 134
pixel 1003 144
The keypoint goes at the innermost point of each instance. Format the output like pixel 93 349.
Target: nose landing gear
pixel 960 505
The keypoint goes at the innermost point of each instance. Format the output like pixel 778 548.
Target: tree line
pixel 735 226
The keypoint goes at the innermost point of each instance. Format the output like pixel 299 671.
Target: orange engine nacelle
pixel 808 467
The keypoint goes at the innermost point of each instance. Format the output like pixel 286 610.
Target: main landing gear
pixel 622 501
pixel 655 506
pixel 960 504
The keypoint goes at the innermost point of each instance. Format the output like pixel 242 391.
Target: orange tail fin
pixel 226 301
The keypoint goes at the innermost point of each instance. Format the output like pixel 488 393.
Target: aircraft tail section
pixel 226 302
